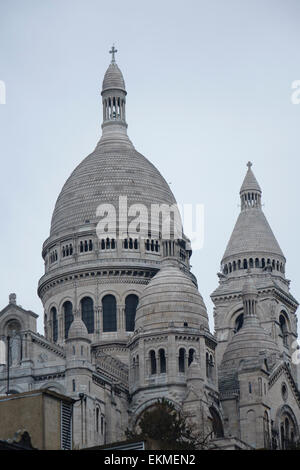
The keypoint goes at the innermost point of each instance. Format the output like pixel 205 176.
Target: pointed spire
pixel 252 239
pixel 250 182
pixel 250 191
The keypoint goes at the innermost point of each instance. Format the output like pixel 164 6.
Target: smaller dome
pixel 247 348
pixel 248 343
pixel 113 78
pixel 78 329
pixel 171 297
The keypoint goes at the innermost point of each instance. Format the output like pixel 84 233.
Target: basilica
pixel 125 324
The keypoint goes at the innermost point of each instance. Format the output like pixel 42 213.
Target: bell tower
pixel 253 250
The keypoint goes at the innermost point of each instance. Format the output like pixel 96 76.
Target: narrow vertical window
pixel 181 360
pixel 68 316
pixel 153 362
pixel 109 312
pixel 97 420
pixel 191 356
pixel 162 361
pixel 87 313
pixel 53 314
pixel 131 303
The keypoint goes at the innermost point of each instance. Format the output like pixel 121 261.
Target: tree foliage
pixel 163 423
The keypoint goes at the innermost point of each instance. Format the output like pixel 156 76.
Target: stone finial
pixel 249 165
pixel 12 299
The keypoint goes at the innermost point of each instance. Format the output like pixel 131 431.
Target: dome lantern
pixel 250 191
pixel 113 95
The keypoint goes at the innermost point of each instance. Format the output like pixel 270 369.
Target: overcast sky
pixel 209 88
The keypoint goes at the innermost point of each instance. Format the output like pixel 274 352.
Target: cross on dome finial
pixel 112 52
pixel 249 165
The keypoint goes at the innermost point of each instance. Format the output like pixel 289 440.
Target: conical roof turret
pixel 252 235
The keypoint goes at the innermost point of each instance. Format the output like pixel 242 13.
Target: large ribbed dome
pixel 103 176
pixel 171 297
pixel 114 169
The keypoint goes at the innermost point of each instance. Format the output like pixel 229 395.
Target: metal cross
pixel 112 52
pixel 249 165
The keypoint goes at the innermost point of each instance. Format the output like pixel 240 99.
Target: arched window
pixel 87 313
pixel 73 385
pixel 209 366
pixel 239 322
pixel 109 312
pixel 153 367
pixel 191 356
pixel 217 426
pixel 53 314
pixel 181 360
pixel 131 303
pixel 273 264
pixel 97 419
pixel 68 316
pixel 287 431
pixel 162 361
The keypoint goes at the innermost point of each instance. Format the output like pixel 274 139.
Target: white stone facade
pixel 125 324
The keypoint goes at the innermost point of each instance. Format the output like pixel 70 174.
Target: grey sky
pixel 209 88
